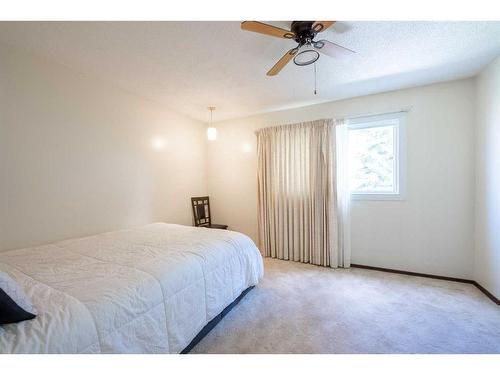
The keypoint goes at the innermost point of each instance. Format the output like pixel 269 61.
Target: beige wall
pixel 431 231
pixel 76 155
pixel 487 263
pixel 76 159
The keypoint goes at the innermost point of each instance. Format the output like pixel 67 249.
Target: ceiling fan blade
pixel 341 27
pixel 332 49
pixel 282 62
pixel 264 28
pixel 320 26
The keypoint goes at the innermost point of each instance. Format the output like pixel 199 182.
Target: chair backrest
pixel 201 211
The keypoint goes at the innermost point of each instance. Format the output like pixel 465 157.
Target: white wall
pixel 487 263
pixel 76 155
pixel 76 159
pixel 432 231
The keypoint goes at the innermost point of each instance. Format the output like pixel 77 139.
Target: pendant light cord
pixel 211 109
pixel 314 78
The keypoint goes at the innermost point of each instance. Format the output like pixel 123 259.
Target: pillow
pixel 15 306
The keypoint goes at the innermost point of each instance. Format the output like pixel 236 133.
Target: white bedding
pixel 144 290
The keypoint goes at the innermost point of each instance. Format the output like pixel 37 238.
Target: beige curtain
pixel 297 193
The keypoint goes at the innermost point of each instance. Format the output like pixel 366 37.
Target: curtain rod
pixel 404 110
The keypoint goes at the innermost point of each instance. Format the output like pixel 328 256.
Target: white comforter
pixel 144 290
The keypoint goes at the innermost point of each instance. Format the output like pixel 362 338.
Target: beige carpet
pixel 299 308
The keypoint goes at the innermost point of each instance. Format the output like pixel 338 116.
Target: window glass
pixel 372 164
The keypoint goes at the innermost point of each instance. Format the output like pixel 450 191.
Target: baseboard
pixel 487 293
pixel 410 273
pixel 446 278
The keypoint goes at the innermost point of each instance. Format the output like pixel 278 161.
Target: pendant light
pixel 211 131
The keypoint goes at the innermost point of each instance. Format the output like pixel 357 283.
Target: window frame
pixel 398 120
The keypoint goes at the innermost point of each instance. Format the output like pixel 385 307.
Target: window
pixel 376 157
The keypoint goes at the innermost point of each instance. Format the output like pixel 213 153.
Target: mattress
pixel 144 290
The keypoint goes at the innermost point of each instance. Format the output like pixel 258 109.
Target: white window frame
pixel 398 120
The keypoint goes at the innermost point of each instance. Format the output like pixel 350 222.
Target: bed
pixel 150 289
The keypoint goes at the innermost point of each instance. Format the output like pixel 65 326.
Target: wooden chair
pixel 201 213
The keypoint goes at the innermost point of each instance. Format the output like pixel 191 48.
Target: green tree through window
pixel 371 161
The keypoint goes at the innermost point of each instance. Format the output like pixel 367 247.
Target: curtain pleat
pixel 297 193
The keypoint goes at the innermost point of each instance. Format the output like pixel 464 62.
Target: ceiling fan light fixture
pixel 306 57
pixel 307 50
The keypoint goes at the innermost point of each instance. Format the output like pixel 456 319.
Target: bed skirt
pixel 211 324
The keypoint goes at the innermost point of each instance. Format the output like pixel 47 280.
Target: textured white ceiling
pixel 189 66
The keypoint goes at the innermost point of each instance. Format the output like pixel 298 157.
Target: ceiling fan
pixel 303 32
